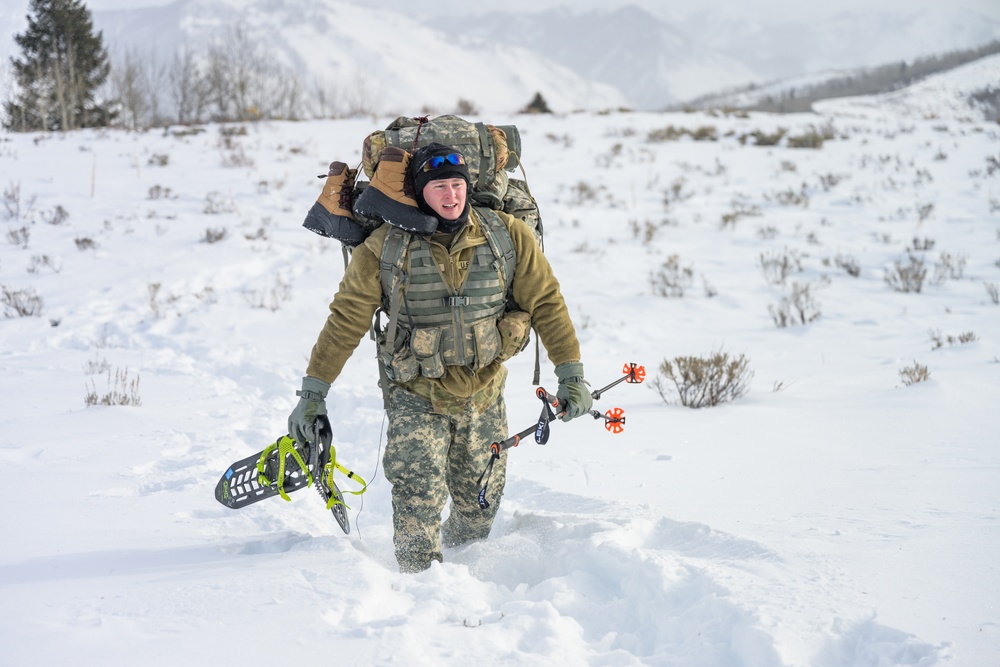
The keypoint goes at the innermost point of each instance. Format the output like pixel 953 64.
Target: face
pixel 446 197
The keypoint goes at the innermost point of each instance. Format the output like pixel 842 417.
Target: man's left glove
pixel 312 403
pixel 573 390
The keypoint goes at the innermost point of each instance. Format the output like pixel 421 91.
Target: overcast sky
pixel 770 9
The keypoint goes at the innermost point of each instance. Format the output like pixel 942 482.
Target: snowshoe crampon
pixel 286 466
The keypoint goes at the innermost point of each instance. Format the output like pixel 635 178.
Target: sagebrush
pixel 704 381
pixel 122 390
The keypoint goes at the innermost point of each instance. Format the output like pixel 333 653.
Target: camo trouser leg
pixel 428 457
pixel 470 453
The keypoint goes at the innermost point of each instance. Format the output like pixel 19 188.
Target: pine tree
pixel 62 64
pixel 537 105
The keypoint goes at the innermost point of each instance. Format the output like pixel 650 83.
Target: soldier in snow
pixel 456 312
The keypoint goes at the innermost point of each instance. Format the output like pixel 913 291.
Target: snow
pixel 947 95
pixel 832 517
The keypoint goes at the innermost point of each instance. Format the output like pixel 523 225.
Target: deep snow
pixel 833 517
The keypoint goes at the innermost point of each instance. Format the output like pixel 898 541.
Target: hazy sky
pixel 771 9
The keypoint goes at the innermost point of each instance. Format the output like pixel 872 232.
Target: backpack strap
pixel 488 161
pixel 498 237
pixel 394 278
pixel 393 275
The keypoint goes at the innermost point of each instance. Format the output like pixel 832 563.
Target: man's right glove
pixel 312 403
pixel 573 390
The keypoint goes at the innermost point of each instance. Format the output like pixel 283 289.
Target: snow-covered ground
pixel 943 96
pixel 832 517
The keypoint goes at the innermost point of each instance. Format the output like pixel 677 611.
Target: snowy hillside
pixel 833 517
pixel 643 55
pixel 653 63
pixel 955 95
pixel 399 63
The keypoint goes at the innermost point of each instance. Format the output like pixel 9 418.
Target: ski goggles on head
pixel 439 161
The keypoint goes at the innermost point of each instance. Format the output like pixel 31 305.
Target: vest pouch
pixel 426 346
pixel 486 339
pixel 515 330
pixel 401 365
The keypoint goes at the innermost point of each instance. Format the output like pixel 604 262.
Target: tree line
pixel 868 81
pixel 64 78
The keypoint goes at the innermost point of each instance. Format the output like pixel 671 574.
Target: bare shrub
pixel 812 138
pixel 20 302
pixel 671 133
pixel 270 299
pixel 672 279
pixel 740 210
pixel 157 192
pixel 85 243
pixel 914 374
pixel 939 339
pixel 12 200
pixel 122 390
pixel 56 216
pixel 764 138
pixel 848 264
pixel 949 267
pixel 767 233
pixel 830 181
pixel 791 197
pixel 924 211
pixel 907 277
pixel 778 264
pixel 583 193
pixel 39 262
pixel 19 236
pixel 96 366
pixel 705 133
pixel 921 245
pixel 214 234
pixel 216 204
pixel 233 153
pixel 993 291
pixel 704 381
pixel 466 108
pixel 798 308
pixel 13 204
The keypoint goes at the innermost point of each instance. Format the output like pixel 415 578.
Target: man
pixel 443 349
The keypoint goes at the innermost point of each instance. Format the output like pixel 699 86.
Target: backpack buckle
pixel 457 301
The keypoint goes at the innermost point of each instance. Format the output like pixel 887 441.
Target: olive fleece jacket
pixel 535 290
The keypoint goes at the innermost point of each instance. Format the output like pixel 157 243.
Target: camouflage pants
pixel 430 456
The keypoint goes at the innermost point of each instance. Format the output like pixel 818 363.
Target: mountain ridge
pixel 389 61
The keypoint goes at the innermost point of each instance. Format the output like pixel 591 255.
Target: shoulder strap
pixel 498 237
pixel 392 271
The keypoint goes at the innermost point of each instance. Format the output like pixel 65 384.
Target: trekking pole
pixel 614 421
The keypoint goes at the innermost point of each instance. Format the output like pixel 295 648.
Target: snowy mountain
pixel 402 65
pixel 967 93
pixel 658 61
pixel 784 48
pixel 645 56
pixel 652 63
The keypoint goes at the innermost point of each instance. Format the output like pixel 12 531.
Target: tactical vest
pixel 432 326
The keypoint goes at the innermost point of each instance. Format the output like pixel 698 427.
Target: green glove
pixel 312 403
pixel 573 390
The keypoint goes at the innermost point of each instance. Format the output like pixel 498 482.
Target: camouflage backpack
pixel 490 152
